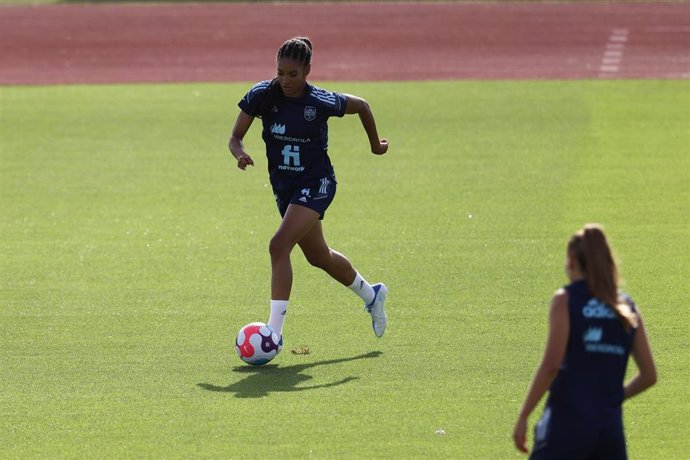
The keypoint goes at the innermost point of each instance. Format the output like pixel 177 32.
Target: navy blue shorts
pixel 563 436
pixel 316 195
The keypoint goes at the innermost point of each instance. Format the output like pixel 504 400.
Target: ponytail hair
pixel 297 48
pixel 591 249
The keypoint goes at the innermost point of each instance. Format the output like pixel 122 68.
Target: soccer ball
pixel 257 344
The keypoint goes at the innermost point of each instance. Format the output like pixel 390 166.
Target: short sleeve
pixel 334 103
pixel 251 102
pixel 341 104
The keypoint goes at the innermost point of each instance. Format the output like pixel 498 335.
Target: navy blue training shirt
pixel 590 381
pixel 296 133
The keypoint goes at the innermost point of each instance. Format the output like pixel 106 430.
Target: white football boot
pixel 379 319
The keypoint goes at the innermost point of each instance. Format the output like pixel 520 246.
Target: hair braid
pixel 297 48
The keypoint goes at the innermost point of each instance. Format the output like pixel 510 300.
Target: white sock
pixel 362 289
pixel 277 317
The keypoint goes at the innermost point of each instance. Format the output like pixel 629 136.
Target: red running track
pixel 352 41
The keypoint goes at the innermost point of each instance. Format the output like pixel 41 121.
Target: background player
pixel 592 331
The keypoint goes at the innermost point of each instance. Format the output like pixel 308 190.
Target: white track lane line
pixel 613 55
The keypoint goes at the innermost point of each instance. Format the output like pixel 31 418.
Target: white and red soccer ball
pixel 257 344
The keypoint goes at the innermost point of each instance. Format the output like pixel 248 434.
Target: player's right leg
pixel 296 222
pixel 561 434
pixel 611 443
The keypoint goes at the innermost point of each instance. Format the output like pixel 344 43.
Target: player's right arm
pixel 242 124
pixel 642 354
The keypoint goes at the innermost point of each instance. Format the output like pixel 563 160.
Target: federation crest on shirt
pixel 309 113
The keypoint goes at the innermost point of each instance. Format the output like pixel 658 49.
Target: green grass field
pixel 133 250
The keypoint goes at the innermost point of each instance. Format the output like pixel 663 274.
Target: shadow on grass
pixel 262 380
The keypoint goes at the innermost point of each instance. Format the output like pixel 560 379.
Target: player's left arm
pixel 361 107
pixel 559 329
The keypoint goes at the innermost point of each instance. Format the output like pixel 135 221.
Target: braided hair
pixel 297 48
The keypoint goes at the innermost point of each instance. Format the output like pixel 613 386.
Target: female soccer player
pixel 294 115
pixel 592 331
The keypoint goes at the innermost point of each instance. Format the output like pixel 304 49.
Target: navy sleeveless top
pixel 296 133
pixel 589 383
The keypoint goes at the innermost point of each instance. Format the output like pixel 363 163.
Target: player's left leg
pixel 318 254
